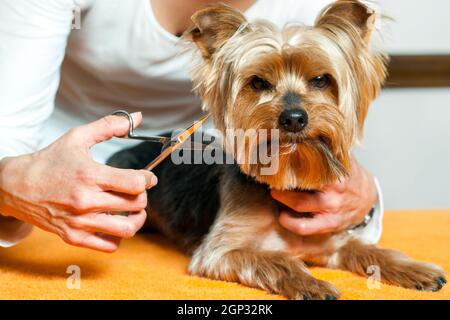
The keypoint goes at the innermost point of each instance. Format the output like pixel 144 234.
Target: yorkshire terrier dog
pixel 314 85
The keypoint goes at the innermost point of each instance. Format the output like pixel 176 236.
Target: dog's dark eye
pixel 259 84
pixel 320 82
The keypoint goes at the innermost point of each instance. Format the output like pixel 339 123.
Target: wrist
pixel 367 219
pixel 10 177
pixel 373 198
pixel 3 177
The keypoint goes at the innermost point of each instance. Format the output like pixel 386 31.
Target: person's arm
pixel 12 231
pixel 336 207
pixel 33 36
pixel 60 188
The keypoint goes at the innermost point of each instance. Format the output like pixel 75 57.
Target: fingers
pixel 125 180
pixel 101 231
pixel 318 224
pixel 85 239
pixel 300 201
pixel 329 201
pixel 114 225
pixel 97 202
pixel 106 128
pixel 325 206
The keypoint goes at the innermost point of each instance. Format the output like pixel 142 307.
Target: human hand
pixel 61 189
pixel 335 207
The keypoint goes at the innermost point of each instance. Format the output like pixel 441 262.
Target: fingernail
pixel 153 180
pixel 135 114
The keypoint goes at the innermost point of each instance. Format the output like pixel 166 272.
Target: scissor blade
pixel 192 145
pixel 177 142
pixel 158 139
pixel 183 136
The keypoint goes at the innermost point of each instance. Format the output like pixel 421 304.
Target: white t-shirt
pixel 54 77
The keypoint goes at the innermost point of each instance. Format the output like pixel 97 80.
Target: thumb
pixel 109 127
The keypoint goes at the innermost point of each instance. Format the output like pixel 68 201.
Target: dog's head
pixel 313 83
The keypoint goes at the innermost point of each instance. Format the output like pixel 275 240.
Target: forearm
pixel 5 203
pixel 61 189
pixel 12 231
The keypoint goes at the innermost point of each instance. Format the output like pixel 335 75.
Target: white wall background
pixel 407 140
pixel 419 26
pixel 407 147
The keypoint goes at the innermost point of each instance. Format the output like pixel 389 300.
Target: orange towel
pixel 148 267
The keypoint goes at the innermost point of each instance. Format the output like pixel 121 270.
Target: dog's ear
pixel 213 26
pixel 350 14
pixel 350 24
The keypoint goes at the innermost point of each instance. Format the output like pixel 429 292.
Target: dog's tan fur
pixel 246 243
pixel 395 267
pixel 289 58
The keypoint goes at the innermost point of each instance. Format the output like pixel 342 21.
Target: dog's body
pixel 209 209
pixel 314 84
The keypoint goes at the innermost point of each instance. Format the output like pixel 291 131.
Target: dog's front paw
pixel 415 275
pixel 309 288
pixel 395 268
pixel 274 272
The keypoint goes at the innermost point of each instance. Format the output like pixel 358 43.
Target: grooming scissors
pixel 169 145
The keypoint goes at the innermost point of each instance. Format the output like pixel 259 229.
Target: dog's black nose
pixel 293 120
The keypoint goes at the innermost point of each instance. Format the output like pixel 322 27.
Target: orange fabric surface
pixel 148 267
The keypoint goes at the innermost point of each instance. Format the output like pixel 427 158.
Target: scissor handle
pixel 132 135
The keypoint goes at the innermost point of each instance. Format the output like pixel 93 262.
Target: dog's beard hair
pixel 306 166
pixel 338 167
pixel 318 156
pixel 323 155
